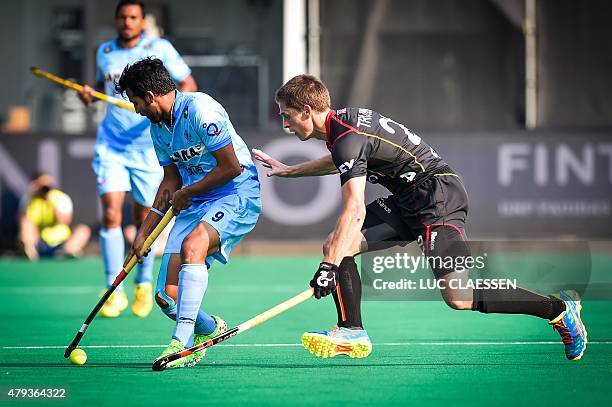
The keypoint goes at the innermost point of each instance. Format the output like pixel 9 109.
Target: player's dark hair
pixel 146 75
pixel 304 90
pixel 129 3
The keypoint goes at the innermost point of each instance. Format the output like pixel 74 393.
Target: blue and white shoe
pixel 570 326
pixel 354 343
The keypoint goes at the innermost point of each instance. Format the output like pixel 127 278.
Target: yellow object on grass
pixel 78 357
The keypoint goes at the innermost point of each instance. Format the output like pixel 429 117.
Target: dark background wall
pixel 444 64
pixel 575 61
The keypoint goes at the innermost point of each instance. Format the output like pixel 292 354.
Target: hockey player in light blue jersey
pixel 124 158
pixel 210 178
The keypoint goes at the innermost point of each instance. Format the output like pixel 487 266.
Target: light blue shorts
pixel 233 216
pixel 137 171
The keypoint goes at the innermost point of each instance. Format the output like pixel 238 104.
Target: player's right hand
pixel 86 95
pixel 325 280
pixel 136 248
pixel 277 168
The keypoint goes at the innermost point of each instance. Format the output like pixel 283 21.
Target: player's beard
pixel 154 119
pixel 128 38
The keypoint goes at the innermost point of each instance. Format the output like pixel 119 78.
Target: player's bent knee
pixel 111 217
pixel 160 301
pixel 166 304
pixel 192 254
pixel 459 305
pixel 194 248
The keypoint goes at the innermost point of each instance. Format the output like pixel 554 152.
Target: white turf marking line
pixel 286 345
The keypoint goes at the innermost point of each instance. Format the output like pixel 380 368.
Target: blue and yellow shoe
pixel 570 326
pixel 354 343
pixel 198 339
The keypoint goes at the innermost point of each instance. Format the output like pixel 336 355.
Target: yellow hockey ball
pixel 78 357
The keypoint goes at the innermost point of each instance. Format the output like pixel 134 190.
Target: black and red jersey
pixel 366 143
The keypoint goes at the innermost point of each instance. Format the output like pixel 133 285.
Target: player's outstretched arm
pixel 86 95
pixel 342 240
pixel 170 183
pixel 318 167
pixel 350 220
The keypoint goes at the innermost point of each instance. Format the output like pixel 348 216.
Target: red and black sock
pixel 517 301
pixel 348 295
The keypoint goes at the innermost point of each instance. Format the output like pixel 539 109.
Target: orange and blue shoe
pixel 570 326
pixel 354 343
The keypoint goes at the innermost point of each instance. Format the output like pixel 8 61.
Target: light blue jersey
pixel 121 128
pixel 201 126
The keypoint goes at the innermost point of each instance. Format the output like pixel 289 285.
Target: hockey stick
pixel 147 244
pixel 79 88
pixel 161 363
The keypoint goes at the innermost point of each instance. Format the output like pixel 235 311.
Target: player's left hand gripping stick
pixel 161 363
pixel 130 264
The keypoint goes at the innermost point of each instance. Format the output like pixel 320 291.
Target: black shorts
pixel 433 214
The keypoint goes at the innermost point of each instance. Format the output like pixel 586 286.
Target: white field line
pixel 286 345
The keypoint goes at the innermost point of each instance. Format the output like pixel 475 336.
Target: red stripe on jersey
pixel 331 115
pixel 342 135
pixel 327 128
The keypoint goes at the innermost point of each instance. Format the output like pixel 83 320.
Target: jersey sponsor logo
pixel 373 179
pixel 346 166
pixel 188 153
pixel 382 204
pixel 107 49
pixel 364 118
pixel 341 111
pixel 432 240
pixel 212 130
pixel 194 170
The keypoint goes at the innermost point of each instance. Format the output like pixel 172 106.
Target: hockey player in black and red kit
pixel 428 204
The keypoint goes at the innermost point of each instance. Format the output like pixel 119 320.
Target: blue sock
pixel 112 246
pixel 144 271
pixel 193 280
pixel 204 325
